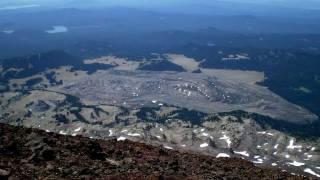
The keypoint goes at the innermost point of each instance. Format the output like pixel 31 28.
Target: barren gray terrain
pixel 134 89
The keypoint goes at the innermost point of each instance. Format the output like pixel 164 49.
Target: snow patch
pixel 308 156
pixel 258 161
pixel 243 153
pixel 110 132
pixel 62 132
pixel 121 138
pixel 310 171
pixel 227 139
pixel 204 145
pixel 220 155
pixel 236 57
pixel 292 146
pixel 78 129
pixel 195 131
pixel 134 134
pixel 295 163
pixel 274 164
pixel 168 147
pixel 205 134
pixel 123 131
pixel 264 132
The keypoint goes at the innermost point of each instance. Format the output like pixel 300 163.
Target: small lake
pixel 57 29
pixel 8 31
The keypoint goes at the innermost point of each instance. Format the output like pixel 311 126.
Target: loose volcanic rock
pixel 36 154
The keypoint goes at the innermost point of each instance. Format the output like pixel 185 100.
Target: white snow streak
pixel 310 171
pixel 220 155
pixel 121 138
pixel 295 163
pixel 204 145
pixel 78 129
pixel 243 153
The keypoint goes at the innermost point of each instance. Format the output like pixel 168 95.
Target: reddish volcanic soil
pixel 34 154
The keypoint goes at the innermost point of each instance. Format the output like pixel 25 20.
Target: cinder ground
pixel 34 154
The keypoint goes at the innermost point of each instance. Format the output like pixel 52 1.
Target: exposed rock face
pixel 34 154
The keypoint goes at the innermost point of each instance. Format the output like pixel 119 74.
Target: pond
pixel 57 29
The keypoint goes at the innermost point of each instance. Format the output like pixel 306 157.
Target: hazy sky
pixel 153 3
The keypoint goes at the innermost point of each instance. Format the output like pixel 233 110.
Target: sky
pixel 312 4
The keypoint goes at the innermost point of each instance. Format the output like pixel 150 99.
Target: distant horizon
pixel 297 4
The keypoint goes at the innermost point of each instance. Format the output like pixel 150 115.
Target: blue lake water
pixel 57 29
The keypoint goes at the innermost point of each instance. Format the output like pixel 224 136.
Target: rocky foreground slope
pixel 35 154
